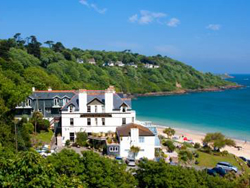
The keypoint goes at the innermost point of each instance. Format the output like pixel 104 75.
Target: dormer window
pixel 124 109
pixel 28 102
pixel 71 108
pixel 65 101
pixel 56 102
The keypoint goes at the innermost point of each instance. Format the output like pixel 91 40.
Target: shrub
pixel 224 153
pixel 170 145
pixel 185 155
pixel 67 143
pixel 81 138
pixel 197 145
pixel 109 140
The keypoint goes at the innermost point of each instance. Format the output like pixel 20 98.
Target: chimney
pixel 109 105
pixel 82 100
pixel 134 136
pixel 49 89
pixel 33 89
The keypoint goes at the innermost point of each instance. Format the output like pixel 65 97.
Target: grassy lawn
pixel 208 160
pixel 44 137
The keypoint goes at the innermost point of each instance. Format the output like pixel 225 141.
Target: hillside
pixel 62 68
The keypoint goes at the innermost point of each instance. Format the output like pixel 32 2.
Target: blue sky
pixel 210 35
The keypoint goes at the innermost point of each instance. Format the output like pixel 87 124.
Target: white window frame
pixel 28 102
pixel 56 102
pixel 141 139
pixel 71 121
pixel 89 121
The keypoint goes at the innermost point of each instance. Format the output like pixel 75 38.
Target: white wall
pixel 147 149
pixel 80 123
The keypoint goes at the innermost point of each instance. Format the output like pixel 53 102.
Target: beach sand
pixel 197 137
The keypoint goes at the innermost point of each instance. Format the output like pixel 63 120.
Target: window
pixel 141 139
pixel 71 108
pixel 71 121
pixel 72 137
pixel 48 110
pixel 113 149
pixel 95 108
pixel 103 108
pixel 28 102
pixel 123 121
pixel 65 101
pixel 89 109
pixel 133 119
pixel 56 102
pixel 88 121
pixel 103 121
pixel 123 109
pixel 96 121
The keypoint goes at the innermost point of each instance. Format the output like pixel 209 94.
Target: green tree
pixel 81 138
pixel 217 141
pixel 170 145
pixel 169 132
pixel 33 47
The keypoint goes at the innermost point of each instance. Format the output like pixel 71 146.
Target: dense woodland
pixel 25 63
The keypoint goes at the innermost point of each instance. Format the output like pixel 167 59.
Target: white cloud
pixel 214 27
pixel 173 22
pixel 93 6
pixel 84 2
pixel 133 18
pixel 101 11
pixel 146 17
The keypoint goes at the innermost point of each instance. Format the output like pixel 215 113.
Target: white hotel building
pixel 92 111
pixel 95 111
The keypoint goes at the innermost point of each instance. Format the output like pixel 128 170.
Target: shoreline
pixel 185 91
pixel 196 136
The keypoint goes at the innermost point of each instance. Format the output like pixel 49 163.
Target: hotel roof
pixel 125 130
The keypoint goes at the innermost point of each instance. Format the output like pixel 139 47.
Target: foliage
pixel 217 140
pixel 93 170
pixel 69 169
pixel 197 145
pixel 185 156
pixel 170 145
pixel 135 150
pixel 67 143
pixel 81 138
pixel 169 131
pixel 38 122
pixel 160 174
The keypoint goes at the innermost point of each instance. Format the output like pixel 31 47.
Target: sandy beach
pixel 197 137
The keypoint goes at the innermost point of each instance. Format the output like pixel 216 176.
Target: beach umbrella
pixel 185 138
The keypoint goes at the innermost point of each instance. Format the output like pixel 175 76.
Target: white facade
pixel 145 143
pixel 149 66
pixel 95 115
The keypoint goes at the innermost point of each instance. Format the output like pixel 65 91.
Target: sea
pixel 226 111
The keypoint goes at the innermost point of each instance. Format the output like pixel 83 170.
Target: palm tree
pixel 49 43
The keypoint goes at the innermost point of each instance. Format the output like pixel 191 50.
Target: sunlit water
pixel 227 112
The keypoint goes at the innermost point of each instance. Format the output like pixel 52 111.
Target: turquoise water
pixel 227 111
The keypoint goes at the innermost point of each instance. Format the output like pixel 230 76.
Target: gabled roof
pixel 95 99
pixel 125 130
pixel 51 94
